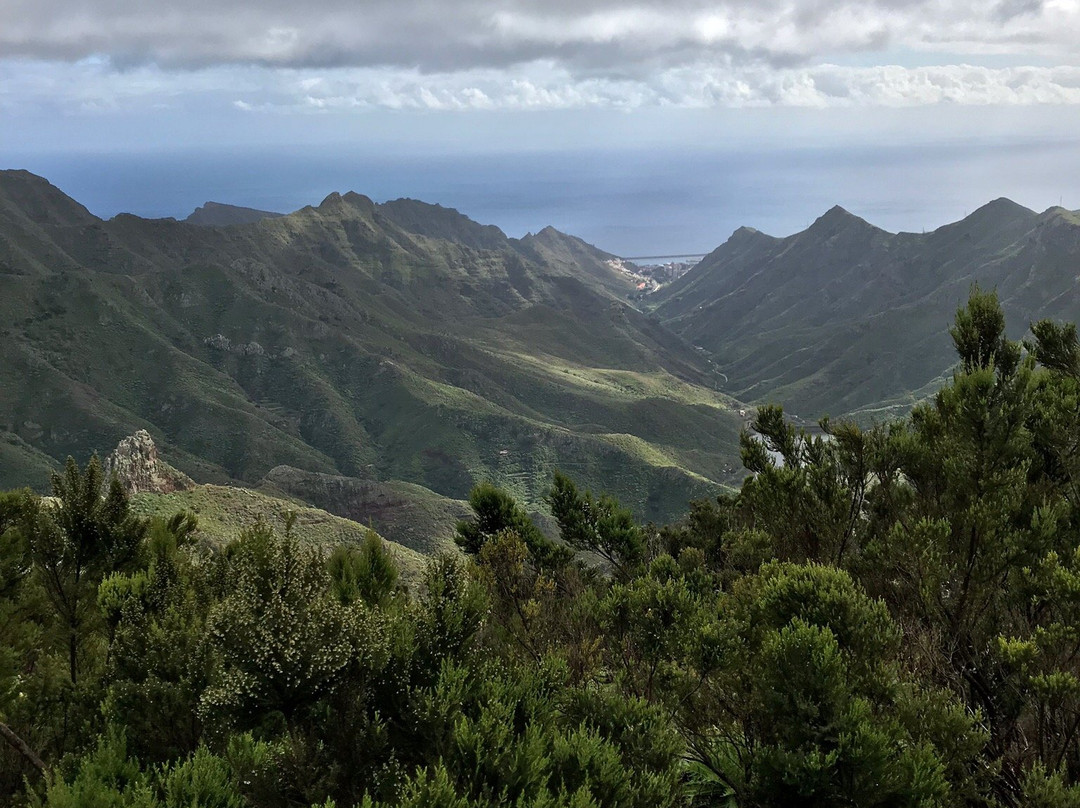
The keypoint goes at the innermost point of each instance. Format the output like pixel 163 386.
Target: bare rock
pixel 136 464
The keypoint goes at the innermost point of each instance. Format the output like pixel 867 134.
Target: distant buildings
pixel 650 277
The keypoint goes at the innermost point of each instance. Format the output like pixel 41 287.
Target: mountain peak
pixel 1006 204
pixel 990 219
pixel 40 201
pixel 836 220
pixel 743 238
pixel 1058 215
pixel 553 239
pixel 744 234
pixel 436 221
pixel 839 214
pixel 342 203
pixel 1001 209
pixel 357 200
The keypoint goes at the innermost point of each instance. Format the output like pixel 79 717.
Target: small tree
pixel 496 511
pixel 79 540
pixel 597 525
pixel 282 640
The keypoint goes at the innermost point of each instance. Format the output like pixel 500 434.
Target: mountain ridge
pixel 846 317
pixel 220 214
pixel 335 340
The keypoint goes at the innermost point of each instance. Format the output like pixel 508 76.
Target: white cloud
pixel 327 56
pixel 93 87
pixel 546 86
pixel 613 37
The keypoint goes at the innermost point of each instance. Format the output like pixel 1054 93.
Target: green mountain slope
pixel 844 317
pixel 404 513
pixel 346 339
pixel 225 512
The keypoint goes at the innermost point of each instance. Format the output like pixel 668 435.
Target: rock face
pixel 136 464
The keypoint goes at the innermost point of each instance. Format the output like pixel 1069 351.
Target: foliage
pixel 597 525
pixel 879 617
pixel 495 512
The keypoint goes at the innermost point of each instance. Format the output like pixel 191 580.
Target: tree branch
pixel 12 738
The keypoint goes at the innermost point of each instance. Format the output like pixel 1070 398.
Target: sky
pixel 646 126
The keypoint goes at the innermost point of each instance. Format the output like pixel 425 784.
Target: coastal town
pixel 649 277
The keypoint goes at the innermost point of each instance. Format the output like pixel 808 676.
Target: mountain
pixel 216 214
pixel 25 196
pixel 437 222
pixel 398 343
pixel 847 318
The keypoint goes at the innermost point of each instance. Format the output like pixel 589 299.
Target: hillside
pixel 404 513
pixel 847 318
pixel 397 342
pixel 224 512
pixel 156 488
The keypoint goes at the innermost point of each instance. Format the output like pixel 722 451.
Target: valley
pixel 399 344
pixel 845 318
pixel 381 360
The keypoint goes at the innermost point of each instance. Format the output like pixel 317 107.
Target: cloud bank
pixel 821 86
pixel 89 87
pixel 605 36
pixel 553 54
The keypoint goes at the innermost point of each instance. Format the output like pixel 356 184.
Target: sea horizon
pixel 631 202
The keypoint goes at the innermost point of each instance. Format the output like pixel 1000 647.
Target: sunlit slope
pixel 347 339
pixel 225 512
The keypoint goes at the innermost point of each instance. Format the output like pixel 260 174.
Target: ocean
pixel 630 202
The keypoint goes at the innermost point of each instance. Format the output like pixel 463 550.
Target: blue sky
pixel 884 92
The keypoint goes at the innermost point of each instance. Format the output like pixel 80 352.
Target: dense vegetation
pixel 879 617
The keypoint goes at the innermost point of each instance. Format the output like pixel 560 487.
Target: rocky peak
pixel 837 221
pixel 136 464
pixel 346 206
pixel 750 235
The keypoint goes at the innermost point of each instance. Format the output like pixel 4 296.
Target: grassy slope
pixel 224 512
pixel 335 341
pixel 407 514
pixel 846 318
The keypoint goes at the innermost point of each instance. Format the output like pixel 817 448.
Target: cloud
pixel 334 56
pixel 700 86
pixel 609 38
pixel 93 87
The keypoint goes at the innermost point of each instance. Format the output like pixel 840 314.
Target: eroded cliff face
pixel 136 464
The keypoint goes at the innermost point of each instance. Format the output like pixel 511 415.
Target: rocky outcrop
pixel 136 464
